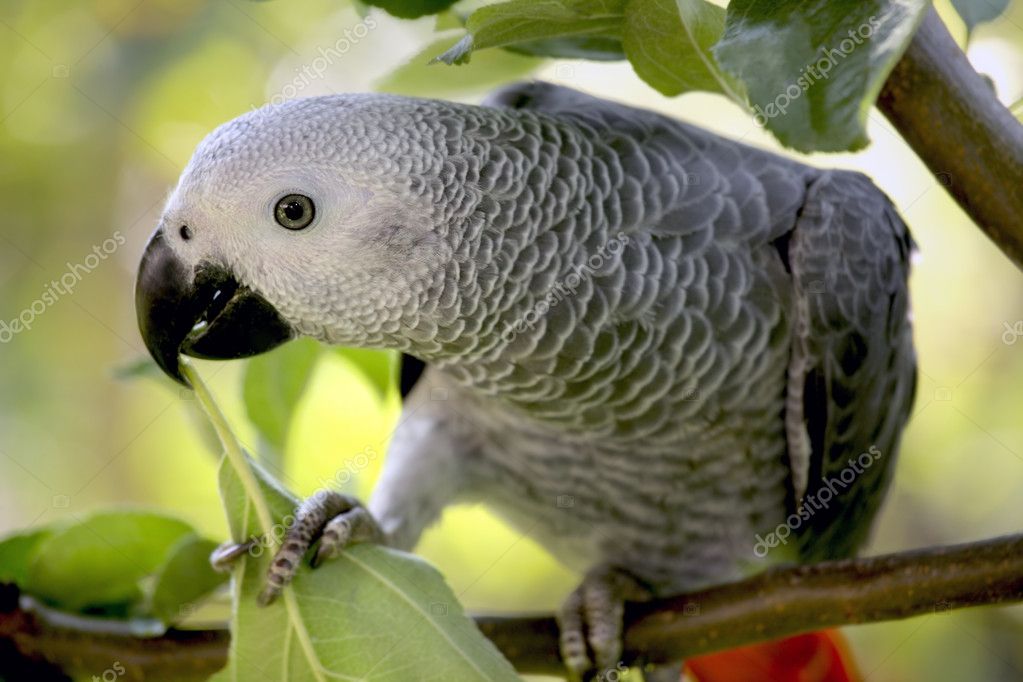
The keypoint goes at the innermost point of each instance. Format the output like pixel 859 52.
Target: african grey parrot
pixel 647 346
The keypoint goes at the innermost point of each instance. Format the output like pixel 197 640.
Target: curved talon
pixel 355 525
pixel 572 639
pixel 223 557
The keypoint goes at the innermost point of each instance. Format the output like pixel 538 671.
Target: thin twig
pixel 952 119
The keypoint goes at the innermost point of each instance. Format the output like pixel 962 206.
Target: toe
pixel 282 568
pixel 591 622
pixel 350 527
pixel 603 611
pixel 572 639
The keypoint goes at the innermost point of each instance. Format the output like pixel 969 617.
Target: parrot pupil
pixel 294 211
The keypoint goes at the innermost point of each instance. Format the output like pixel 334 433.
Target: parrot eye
pixel 295 211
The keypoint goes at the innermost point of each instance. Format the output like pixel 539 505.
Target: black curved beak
pixel 202 312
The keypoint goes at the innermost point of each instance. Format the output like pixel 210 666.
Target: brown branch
pixel 777 603
pixel 951 118
pixel 786 601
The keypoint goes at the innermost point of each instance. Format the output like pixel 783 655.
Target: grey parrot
pixel 661 353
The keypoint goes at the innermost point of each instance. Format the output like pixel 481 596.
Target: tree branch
pixel 777 603
pixel 951 118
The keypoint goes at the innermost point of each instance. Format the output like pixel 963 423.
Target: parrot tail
pixel 813 657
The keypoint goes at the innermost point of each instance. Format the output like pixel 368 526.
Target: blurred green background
pixel 101 104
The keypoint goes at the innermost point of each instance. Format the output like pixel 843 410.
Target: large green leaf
pixel 372 614
pixel 184 579
pixel 669 45
pixel 527 21
pixel 420 78
pixel 274 384
pixel 17 552
pixel 100 560
pixel 814 68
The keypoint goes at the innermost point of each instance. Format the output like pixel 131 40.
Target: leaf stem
pixel 232 449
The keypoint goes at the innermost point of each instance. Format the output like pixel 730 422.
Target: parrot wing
pixel 852 376
pixel 852 373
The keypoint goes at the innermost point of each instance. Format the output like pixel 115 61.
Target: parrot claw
pixel 590 620
pixel 223 558
pixel 334 519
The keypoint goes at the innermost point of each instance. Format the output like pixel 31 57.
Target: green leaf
pixel 669 45
pixel 101 559
pixel 528 21
pixel 273 386
pixel 371 614
pixel 814 69
pixel 17 552
pixel 377 367
pixel 411 9
pixel 976 12
pixel 184 579
pixel 420 78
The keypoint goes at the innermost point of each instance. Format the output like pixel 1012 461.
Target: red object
pixel 814 657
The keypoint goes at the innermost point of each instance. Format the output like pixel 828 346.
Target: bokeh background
pixel 101 104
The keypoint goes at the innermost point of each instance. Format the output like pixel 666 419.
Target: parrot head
pixel 315 217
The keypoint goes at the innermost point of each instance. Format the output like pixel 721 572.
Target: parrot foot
pixel 590 620
pixel 336 520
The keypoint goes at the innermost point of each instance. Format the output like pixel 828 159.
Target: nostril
pixel 185 232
